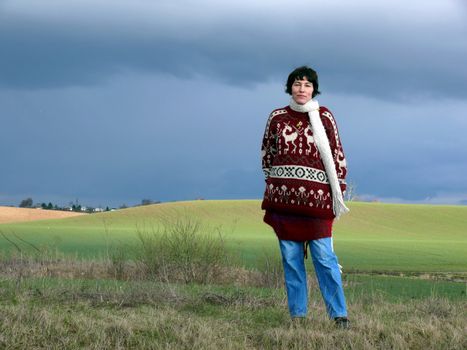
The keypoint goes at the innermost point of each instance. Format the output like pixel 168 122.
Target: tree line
pixel 29 203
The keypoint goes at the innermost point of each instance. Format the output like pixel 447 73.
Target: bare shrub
pixel 182 250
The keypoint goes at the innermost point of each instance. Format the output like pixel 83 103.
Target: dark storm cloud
pixel 136 137
pixel 114 101
pixel 386 51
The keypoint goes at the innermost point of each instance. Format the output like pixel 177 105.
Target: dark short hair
pixel 300 73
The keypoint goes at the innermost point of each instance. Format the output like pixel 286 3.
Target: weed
pixel 182 250
pixel 271 271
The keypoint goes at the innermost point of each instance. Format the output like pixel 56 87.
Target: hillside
pixel 373 237
pixel 12 214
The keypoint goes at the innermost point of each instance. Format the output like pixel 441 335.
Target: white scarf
pixel 322 143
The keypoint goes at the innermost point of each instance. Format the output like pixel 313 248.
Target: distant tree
pixel 146 202
pixel 76 205
pixel 26 203
pixel 50 206
pixel 43 205
pixel 123 206
pixel 107 208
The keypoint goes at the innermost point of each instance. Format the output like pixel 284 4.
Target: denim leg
pixel 329 276
pixel 295 277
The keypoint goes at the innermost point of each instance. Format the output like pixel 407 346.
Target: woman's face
pixel 302 91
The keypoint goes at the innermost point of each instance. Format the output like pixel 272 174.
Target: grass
pixel 403 289
pixel 373 237
pixel 105 314
pixel 58 300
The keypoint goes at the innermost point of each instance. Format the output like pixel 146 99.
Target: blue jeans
pixel 327 273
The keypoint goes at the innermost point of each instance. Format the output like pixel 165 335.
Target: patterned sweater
pixel 296 182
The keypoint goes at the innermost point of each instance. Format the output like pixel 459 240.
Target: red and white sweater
pixel 296 182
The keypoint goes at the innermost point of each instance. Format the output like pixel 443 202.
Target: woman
pixel 305 169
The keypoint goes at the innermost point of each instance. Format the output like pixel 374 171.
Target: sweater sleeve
pixel 268 148
pixel 336 147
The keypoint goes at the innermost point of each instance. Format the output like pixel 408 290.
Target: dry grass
pixel 71 314
pixel 66 267
pixel 12 214
pixel 64 303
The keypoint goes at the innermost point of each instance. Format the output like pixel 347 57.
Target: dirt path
pixel 11 214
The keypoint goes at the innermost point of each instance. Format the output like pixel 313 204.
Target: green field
pixel 373 237
pixel 57 302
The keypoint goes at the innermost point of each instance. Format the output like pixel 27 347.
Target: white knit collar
pixel 307 107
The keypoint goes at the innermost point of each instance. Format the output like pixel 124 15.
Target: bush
pixel 182 250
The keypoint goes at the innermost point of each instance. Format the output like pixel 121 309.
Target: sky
pixel 108 102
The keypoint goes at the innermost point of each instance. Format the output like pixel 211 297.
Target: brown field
pixel 11 214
